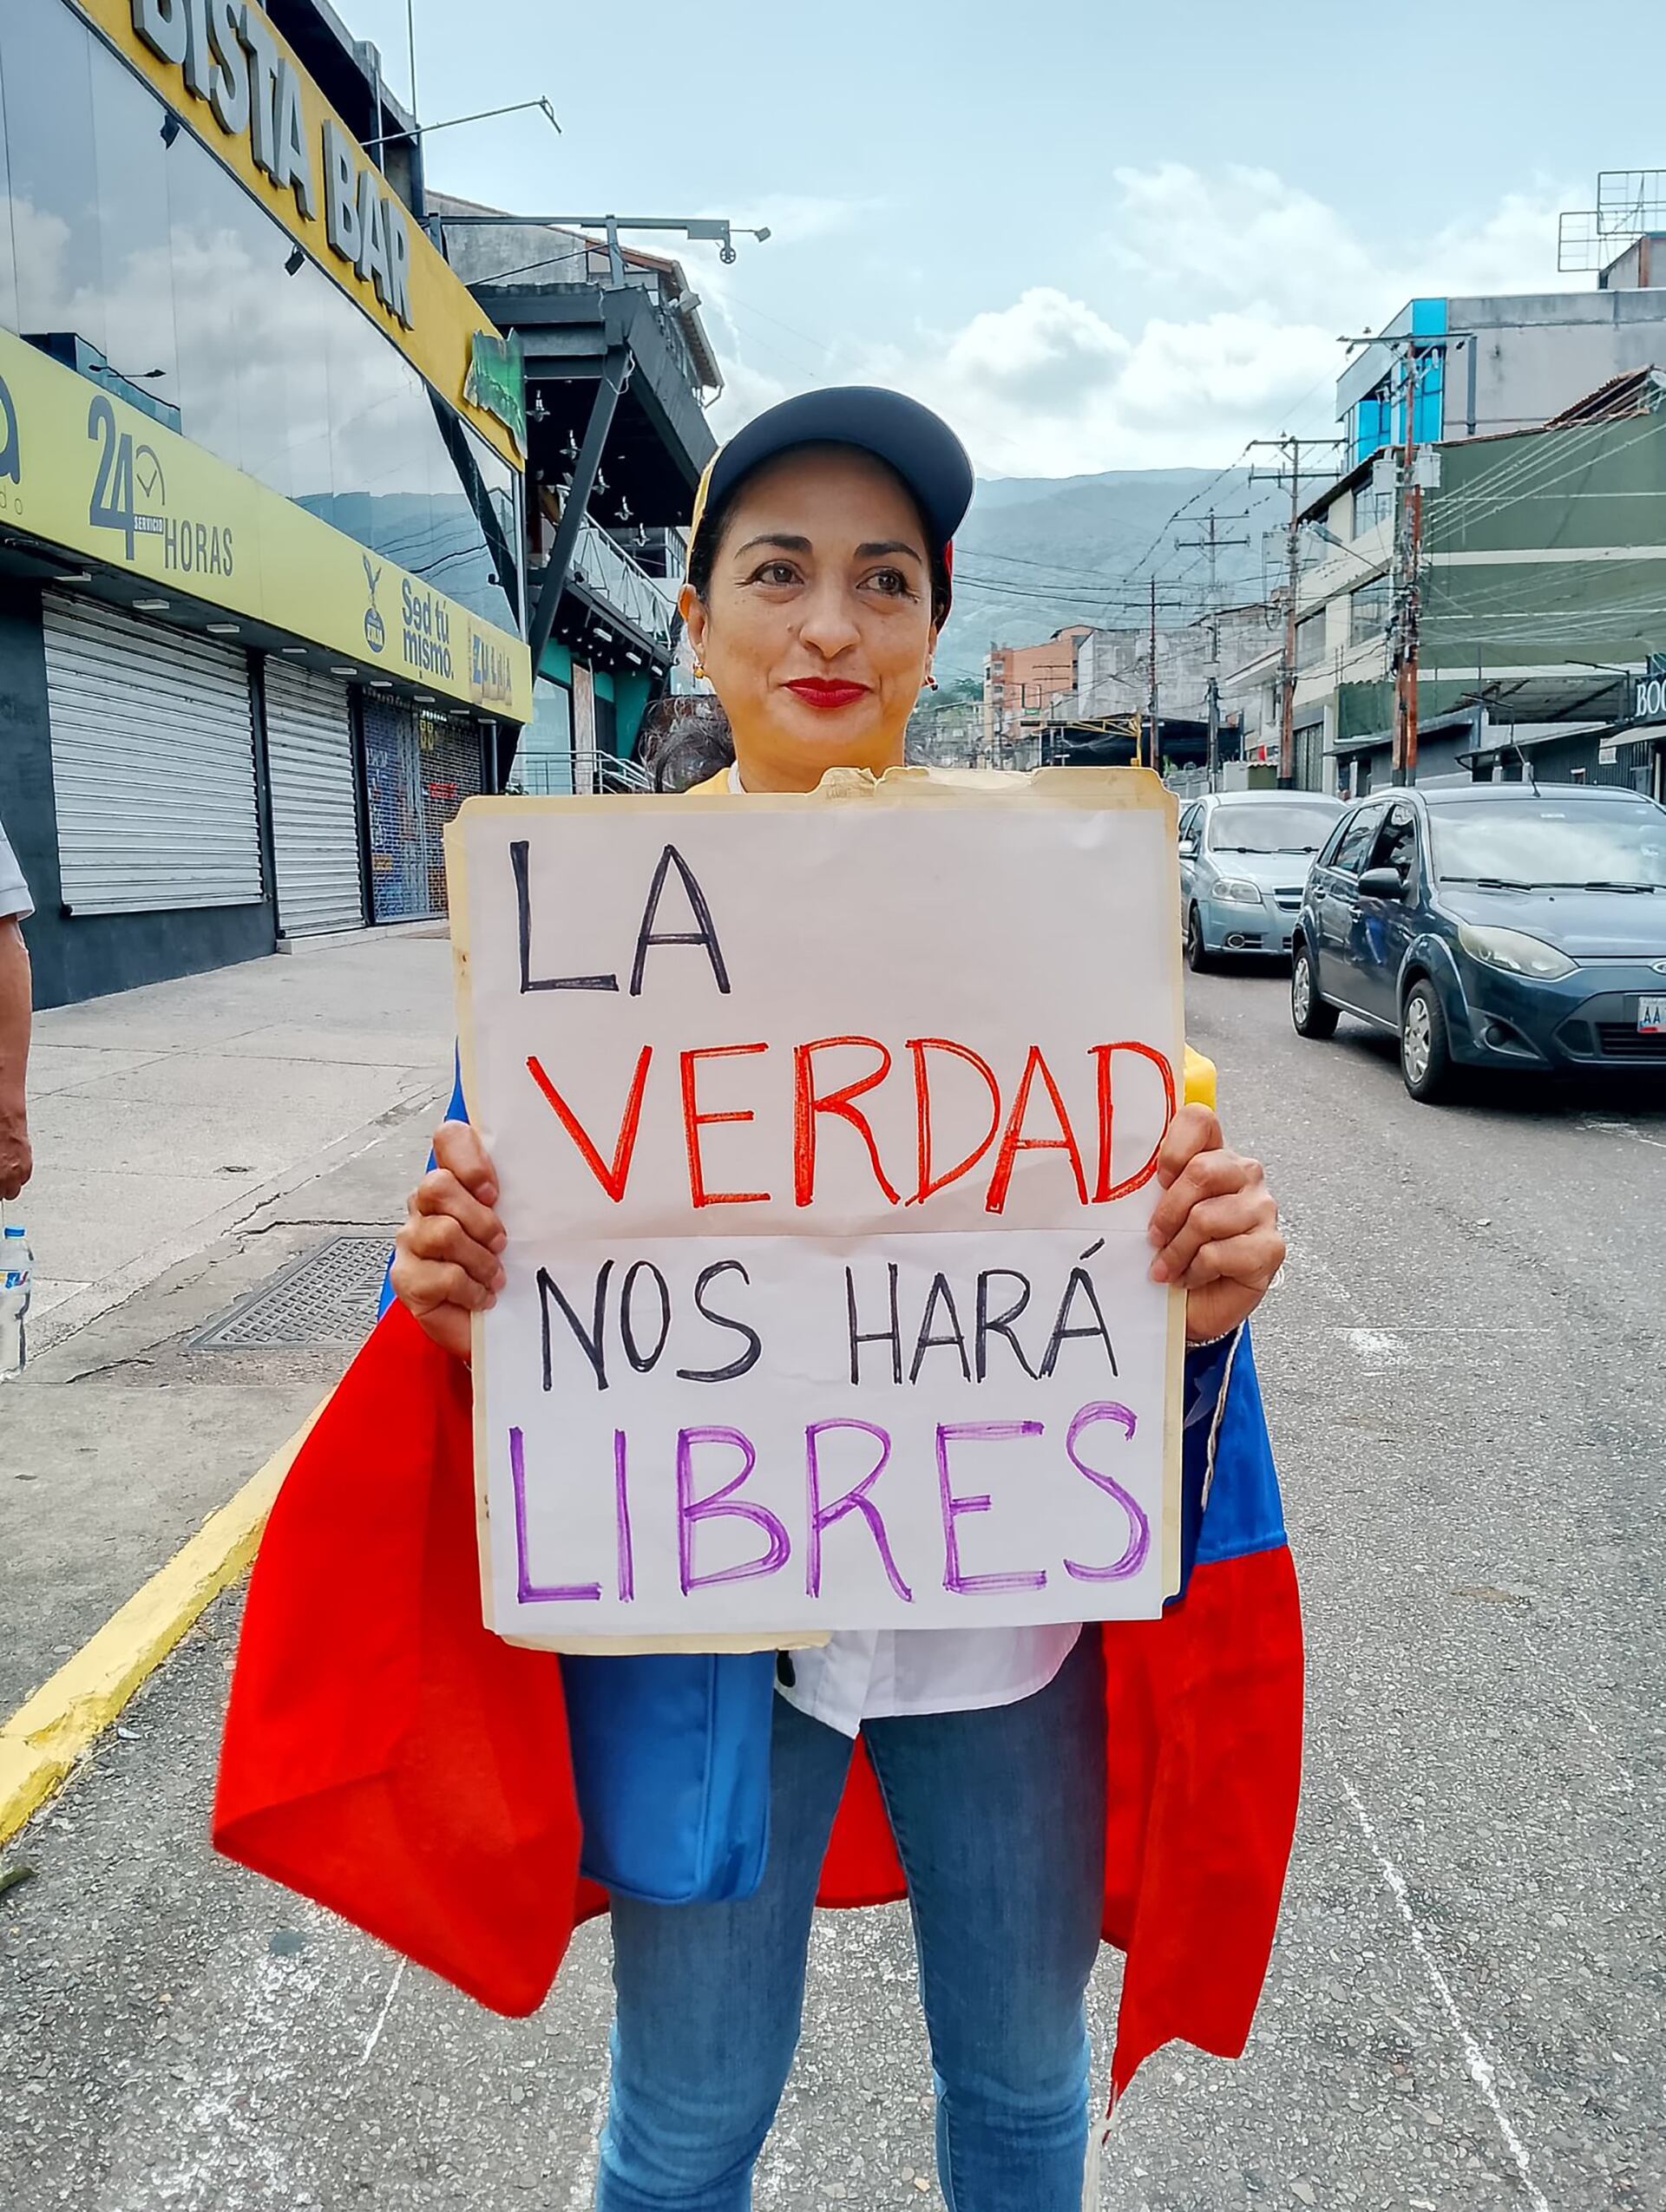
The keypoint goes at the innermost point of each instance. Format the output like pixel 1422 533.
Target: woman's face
pixel 817 632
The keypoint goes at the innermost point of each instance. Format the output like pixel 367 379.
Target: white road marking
pixel 1481 2070
pixel 381 2017
pixel 1380 1346
pixel 1599 1122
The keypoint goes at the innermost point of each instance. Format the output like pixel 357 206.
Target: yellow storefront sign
pixel 82 469
pixel 228 75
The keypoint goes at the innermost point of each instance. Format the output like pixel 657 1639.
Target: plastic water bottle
pixel 15 1270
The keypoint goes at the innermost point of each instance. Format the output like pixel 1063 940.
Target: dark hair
pixel 684 737
pixel 703 552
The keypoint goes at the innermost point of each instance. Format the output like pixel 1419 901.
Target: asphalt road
pixel 1465 2009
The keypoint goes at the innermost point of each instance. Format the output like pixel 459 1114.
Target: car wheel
pixel 1311 1015
pixel 1425 1047
pixel 1198 953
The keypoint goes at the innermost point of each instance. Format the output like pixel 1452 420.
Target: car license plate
pixel 1651 1017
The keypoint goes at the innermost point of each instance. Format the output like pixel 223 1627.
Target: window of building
pixel 154 254
pixel 1372 424
pixel 1370 508
pixel 1368 610
pixel 1308 744
pixel 1310 642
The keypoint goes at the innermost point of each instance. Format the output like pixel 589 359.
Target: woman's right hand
pixel 446 1259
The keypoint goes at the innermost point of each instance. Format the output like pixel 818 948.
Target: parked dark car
pixel 1491 926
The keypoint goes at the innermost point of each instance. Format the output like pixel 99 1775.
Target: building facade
pixel 1484 367
pixel 1023 687
pixel 1513 401
pixel 613 351
pixel 262 572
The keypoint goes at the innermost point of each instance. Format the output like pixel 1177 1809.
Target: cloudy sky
pixel 1096 236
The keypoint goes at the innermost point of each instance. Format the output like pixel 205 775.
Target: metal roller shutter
pixel 152 765
pixel 314 802
pixel 419 770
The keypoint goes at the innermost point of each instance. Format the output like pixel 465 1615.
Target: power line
pixel 1289 450
pixel 1211 545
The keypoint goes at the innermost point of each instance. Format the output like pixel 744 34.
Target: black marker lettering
pixel 744 1363
pixel 1079 1279
pixel 628 1332
pixel 1000 1324
pixel 939 1294
pixel 705 934
pixel 892 1336
pixel 518 852
pixel 590 1343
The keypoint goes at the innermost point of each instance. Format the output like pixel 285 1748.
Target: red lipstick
pixel 828 692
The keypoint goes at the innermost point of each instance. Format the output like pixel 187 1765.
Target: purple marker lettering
pixel 993 1432
pixel 719 1505
pixel 857 1501
pixel 624 1548
pixel 1139 1529
pixel 527 1591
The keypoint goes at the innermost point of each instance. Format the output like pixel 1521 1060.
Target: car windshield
pixel 1550 844
pixel 1296 826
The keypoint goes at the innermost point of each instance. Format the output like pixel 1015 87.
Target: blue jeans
pixel 1000 1819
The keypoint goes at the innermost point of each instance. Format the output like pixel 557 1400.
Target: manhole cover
pixel 327 1297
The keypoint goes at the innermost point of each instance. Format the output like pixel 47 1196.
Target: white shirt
pixel 15 903
pixel 861 1676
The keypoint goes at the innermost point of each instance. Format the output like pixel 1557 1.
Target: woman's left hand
pixel 1215 1227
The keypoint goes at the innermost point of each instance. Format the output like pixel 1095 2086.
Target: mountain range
pixel 1036 553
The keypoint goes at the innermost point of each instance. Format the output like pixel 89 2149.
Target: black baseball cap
pixel 909 438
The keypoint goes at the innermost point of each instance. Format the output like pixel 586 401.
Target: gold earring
pixel 699 671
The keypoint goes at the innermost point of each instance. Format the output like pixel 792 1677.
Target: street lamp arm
pixel 484 114
pixel 708 229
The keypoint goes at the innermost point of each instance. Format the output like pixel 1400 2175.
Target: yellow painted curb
pixel 40 1743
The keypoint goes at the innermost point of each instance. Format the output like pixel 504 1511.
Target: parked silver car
pixel 1244 857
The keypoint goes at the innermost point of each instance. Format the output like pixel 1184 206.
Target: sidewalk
pixel 191 1139
pixel 232 1083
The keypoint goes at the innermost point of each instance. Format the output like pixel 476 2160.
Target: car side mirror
pixel 1188 849
pixel 1382 883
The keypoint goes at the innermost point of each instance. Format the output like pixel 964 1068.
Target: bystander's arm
pixel 16 1160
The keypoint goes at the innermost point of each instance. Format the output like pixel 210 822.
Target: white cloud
pixel 1044 351
pixel 746 391
pixel 1229 292
pixel 1242 237
pixel 1238 237
pixel 1224 293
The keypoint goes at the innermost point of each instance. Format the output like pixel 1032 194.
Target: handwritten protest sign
pixel 825 1128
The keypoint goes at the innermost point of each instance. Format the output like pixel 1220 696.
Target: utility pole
pixel 1289 469
pixel 1408 609
pixel 1413 474
pixel 1162 594
pixel 1151 648
pixel 1210 542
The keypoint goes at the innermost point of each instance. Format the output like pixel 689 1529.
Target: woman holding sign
pixel 1031 1790
pixel 819 579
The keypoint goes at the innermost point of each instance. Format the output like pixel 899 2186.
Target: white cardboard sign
pixel 824 1129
